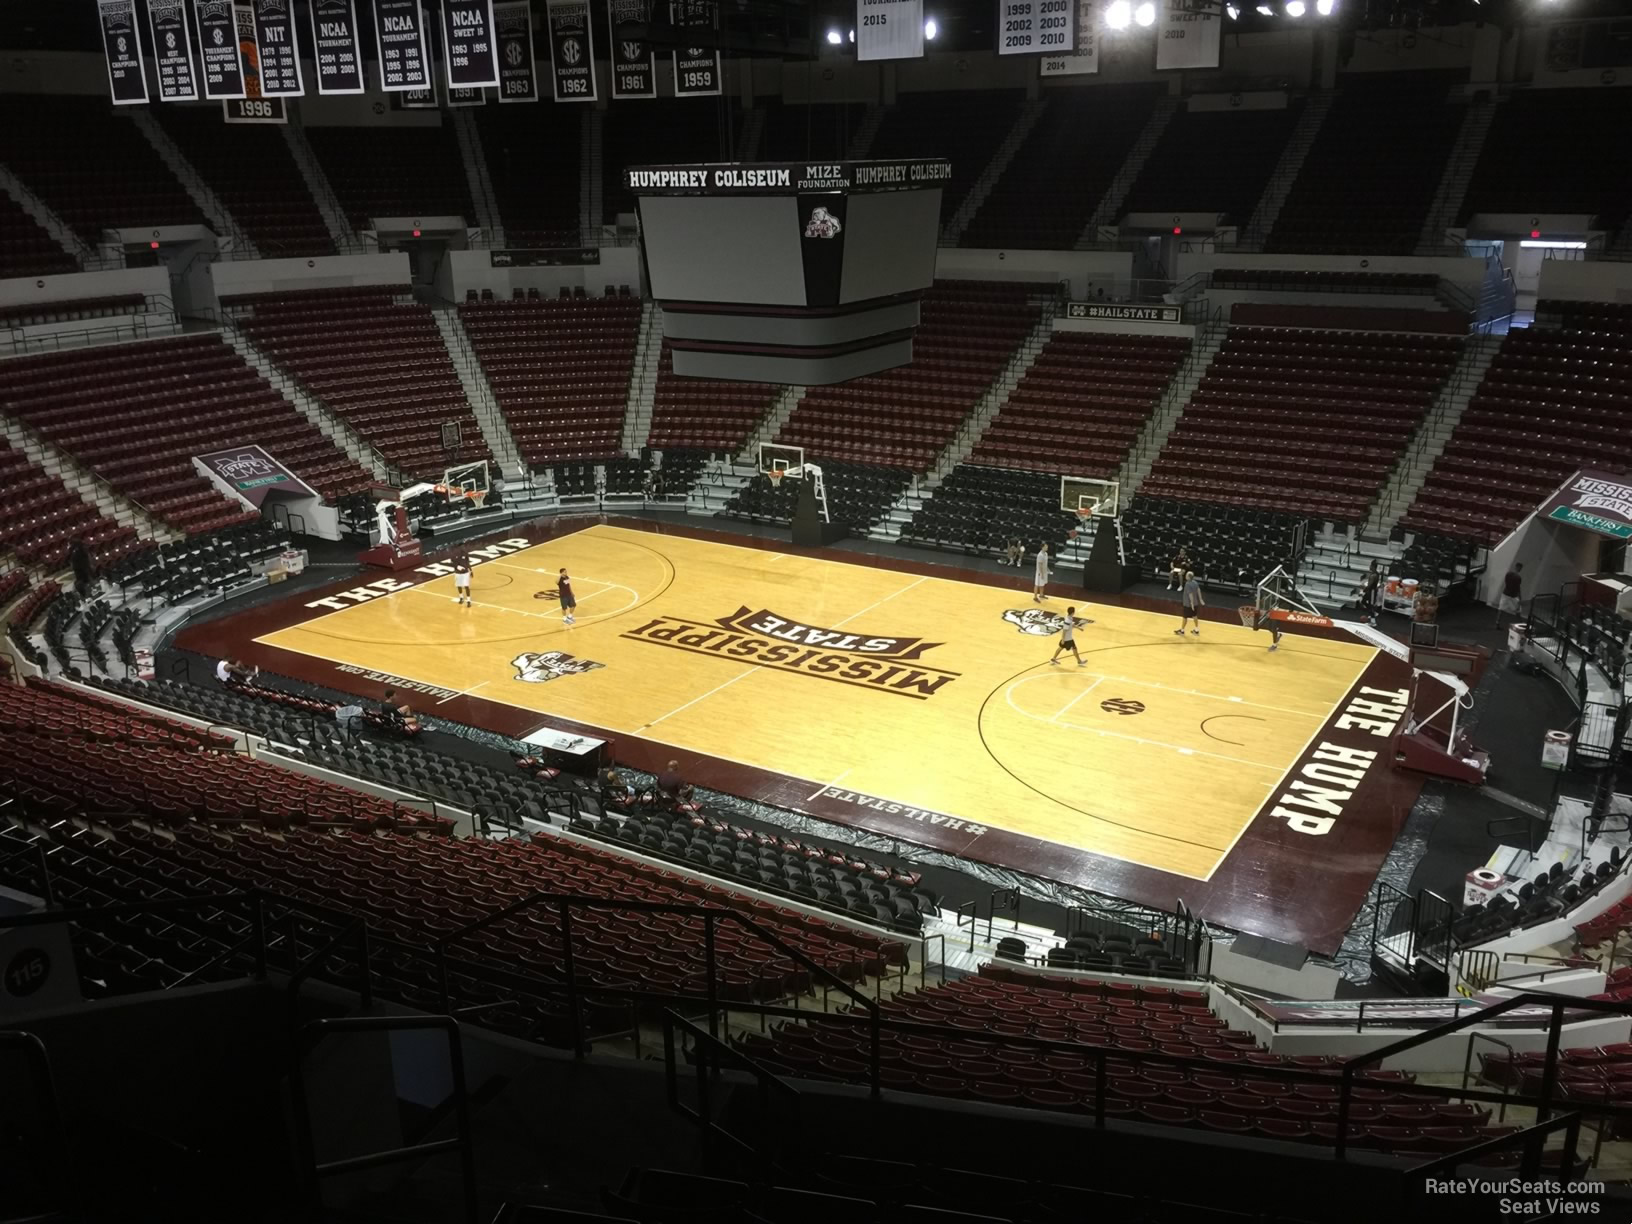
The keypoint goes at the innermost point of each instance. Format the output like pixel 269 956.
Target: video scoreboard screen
pixel 1036 27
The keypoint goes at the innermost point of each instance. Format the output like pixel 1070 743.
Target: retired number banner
pixel 518 72
pixel 634 67
pixel 889 29
pixel 696 69
pixel 1188 35
pixel 468 44
pixel 404 49
pixel 336 48
pixel 172 50
pixel 1086 57
pixel 275 45
pixel 572 50
pixel 222 61
pixel 123 42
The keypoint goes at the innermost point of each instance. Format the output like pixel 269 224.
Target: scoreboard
pixel 1036 27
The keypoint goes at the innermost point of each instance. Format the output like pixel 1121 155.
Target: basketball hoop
pixel 775 475
pixel 1249 615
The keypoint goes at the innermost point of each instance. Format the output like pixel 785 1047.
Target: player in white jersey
pixel 1068 640
pixel 461 579
pixel 1040 579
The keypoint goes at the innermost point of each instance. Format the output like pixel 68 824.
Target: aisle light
pixel 1119 14
pixel 1145 14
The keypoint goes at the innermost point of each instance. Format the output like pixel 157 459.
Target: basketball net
pixel 776 477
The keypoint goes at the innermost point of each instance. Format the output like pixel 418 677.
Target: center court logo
pixel 1039 623
pixel 888 664
pixel 541 668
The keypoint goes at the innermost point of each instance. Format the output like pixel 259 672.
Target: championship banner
pixel 466 97
pixel 251 108
pixel 172 50
pixel 123 43
pixel 1189 35
pixel 1032 27
pixel 696 69
pixel 404 49
pixel 468 44
pixel 415 99
pixel 572 50
pixel 1595 501
pixel 634 67
pixel 222 60
pixel 278 53
pixel 337 48
pixel 518 72
pixel 1086 57
pixel 889 29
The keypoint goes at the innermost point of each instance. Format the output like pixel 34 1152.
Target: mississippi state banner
pixel 634 70
pixel 277 55
pixel 336 48
pixel 889 29
pixel 518 71
pixel 404 48
pixel 172 51
pixel 468 44
pixel 1085 59
pixel 123 43
pixel 223 65
pixel 572 51
pixel 1188 35
pixel 696 69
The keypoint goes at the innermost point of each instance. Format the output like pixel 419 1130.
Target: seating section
pixel 679 131
pixel 1368 181
pixel 73 310
pixel 532 162
pixel 136 414
pixel 800 131
pixel 964 126
pixel 114 180
pixel 979 509
pixel 559 369
pixel 1287 280
pixel 25 248
pixel 1230 546
pixel 858 495
pixel 13 583
pixel 906 416
pixel 252 171
pixel 1551 402
pixel 1588 1075
pixel 1544 154
pixel 394 172
pixel 374 357
pixel 1302 421
pixel 1213 162
pixel 42 518
pixel 705 413
pixel 1081 406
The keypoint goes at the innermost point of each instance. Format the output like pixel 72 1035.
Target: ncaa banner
pixel 696 69
pixel 404 48
pixel 518 72
pixel 276 50
pixel 466 97
pixel 337 50
pixel 634 67
pixel 469 50
pixel 123 42
pixel 1190 35
pixel 572 50
pixel 221 56
pixel 172 51
pixel 889 29
pixel 1086 58
pixel 1032 27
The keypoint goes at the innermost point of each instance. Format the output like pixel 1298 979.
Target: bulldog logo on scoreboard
pixel 822 224
pixel 1039 623
pixel 540 668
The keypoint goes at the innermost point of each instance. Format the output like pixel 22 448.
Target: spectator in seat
pixel 1014 552
pixel 671 786
pixel 1177 568
pixel 617 791
pixel 396 715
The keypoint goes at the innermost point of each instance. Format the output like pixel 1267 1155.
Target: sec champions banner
pixel 889 29
pixel 518 71
pixel 572 51
pixel 123 42
pixel 634 70
pixel 696 69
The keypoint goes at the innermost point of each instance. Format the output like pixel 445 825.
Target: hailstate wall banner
pixel 275 46
pixel 1188 35
pixel 172 51
pixel 337 49
pixel 468 43
pixel 634 69
pixel 1596 501
pixel 518 72
pixel 1086 57
pixel 123 43
pixel 223 66
pixel 889 29
pixel 572 50
pixel 401 39
pixel 696 69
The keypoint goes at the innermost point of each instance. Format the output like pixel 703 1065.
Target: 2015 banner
pixel 634 67
pixel 217 24
pixel 696 69
pixel 468 43
pixel 1085 59
pixel 276 49
pixel 889 29
pixel 518 71
pixel 403 44
pixel 1188 35
pixel 572 50
pixel 336 47
pixel 172 51
pixel 123 42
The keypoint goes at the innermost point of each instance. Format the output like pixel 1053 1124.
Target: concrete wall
pixel 69 286
pixel 1577 281
pixel 464 270
pixel 1081 268
pixel 319 272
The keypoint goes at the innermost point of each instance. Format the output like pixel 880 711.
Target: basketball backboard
pixel 1098 498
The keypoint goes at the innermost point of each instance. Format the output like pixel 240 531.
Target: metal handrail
pixel 709 1052
pixel 1531 1137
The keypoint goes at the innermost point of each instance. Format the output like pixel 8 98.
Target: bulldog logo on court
pixel 1039 622
pixel 540 668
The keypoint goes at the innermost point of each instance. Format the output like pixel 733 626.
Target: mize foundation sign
pixel 252 473
pixel 1124 313
pixel 1595 501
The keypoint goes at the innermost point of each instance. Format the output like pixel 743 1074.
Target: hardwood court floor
pixel 927 692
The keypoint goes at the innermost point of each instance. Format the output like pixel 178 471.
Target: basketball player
pixel 569 601
pixel 1274 626
pixel 461 579
pixel 1190 604
pixel 1068 640
pixel 1040 582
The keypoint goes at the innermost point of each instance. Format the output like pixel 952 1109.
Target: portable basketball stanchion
pixel 1279 598
pixel 1432 739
